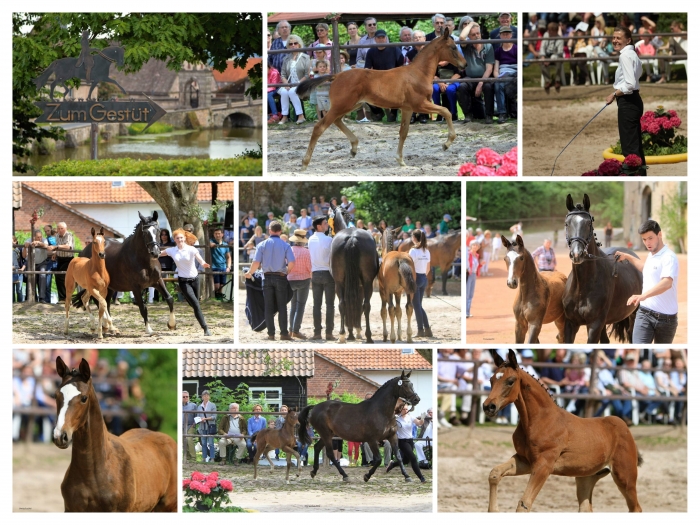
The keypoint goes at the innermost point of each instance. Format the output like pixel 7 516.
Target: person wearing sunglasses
pixel 295 69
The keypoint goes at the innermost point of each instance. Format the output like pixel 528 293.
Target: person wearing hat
pixel 321 278
pixel 383 59
pixel 300 280
pixel 504 21
pixel 344 60
pixel 444 228
pixel 505 65
pixel 527 356
pixel 286 216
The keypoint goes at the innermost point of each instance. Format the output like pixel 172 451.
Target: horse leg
pixel 520 328
pixel 368 288
pixel 595 329
pixel 112 81
pixel 341 308
pixel 539 475
pixel 624 474
pixel 376 459
pixel 584 490
pixel 320 127
pixel 443 276
pixel 290 451
pixel 335 462
pixel 256 458
pixel 604 339
pixel 318 446
pixel 428 107
pixel 86 305
pixel 570 330
pixel 560 324
pixel 515 466
pixel 397 312
pixel 394 440
pixel 403 133
pixel 163 291
pixel 70 285
pixel 138 299
pixel 349 134
pixel 392 318
pixel 534 333
pixel 383 312
pixel 101 307
pixel 409 314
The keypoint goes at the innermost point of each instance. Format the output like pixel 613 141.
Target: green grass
pixel 157 127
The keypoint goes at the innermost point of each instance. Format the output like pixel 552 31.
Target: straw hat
pixel 299 236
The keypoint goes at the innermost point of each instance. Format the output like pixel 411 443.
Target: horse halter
pixel 587 240
pixel 412 402
pixel 145 227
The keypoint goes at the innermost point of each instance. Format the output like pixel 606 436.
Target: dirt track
pixel 376 153
pixel 492 318
pixel 327 492
pixel 550 122
pixel 444 314
pixel 466 457
pixel 37 474
pixel 42 323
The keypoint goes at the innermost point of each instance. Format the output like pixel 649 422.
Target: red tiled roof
pixel 217 362
pixel 234 74
pixel 95 192
pixel 387 359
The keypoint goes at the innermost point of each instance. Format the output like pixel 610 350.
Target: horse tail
pixel 40 81
pixel 640 459
pixel 304 89
pixel 621 331
pixel 254 437
pixel 352 285
pixel 304 437
pixel 409 283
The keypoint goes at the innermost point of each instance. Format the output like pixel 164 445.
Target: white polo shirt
pixel 320 252
pixel 663 264
pixel 421 259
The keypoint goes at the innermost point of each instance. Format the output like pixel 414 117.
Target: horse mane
pixel 389 239
pixel 521 369
pixel 421 56
pixel 386 385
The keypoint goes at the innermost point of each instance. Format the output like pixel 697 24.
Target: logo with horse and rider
pixel 91 67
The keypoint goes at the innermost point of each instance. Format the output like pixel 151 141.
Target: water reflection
pixel 205 144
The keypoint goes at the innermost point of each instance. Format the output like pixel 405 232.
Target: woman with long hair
pixel 353 40
pixel 405 424
pixel 421 260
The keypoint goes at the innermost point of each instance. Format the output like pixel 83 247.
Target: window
pixel 271 395
pixel 118 184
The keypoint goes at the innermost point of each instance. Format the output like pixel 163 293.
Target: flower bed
pixel 660 143
pixel 491 164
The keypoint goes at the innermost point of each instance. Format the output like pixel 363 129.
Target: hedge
pixel 239 166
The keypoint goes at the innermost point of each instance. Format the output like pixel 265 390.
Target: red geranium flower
pixel 466 169
pixel 672 113
pixel 487 157
pixel 483 171
pixel 633 161
pixel 186 483
pixel 610 167
pixel 226 485
pixel 213 475
pixel 200 487
pixel 511 156
pixel 198 476
pixel 210 483
pixel 508 169
pixel 653 127
pixel 675 122
pixel 592 173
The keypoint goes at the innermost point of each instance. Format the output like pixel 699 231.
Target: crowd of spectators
pixel 479 101
pixel 593 32
pixel 627 372
pixel 34 385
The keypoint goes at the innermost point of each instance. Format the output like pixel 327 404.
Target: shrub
pixel 238 166
pixel 157 127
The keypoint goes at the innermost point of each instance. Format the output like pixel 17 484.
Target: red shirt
pixel 302 264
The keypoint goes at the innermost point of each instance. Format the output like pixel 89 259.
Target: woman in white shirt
pixel 404 432
pixel 421 260
pixel 185 256
pixel 630 107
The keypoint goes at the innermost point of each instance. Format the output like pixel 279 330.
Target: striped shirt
pixel 61 240
pixel 545 259
pixel 302 264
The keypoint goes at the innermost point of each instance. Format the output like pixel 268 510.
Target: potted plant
pixel 631 165
pixel 206 492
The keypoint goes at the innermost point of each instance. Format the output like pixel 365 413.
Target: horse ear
pixel 396 231
pixel 409 374
pixel 102 231
pixel 569 202
pixel 92 231
pixel 519 241
pixel 84 369
pixel 155 216
pixel 512 360
pixel 497 359
pixel 505 241
pixel 61 368
pixel 143 219
pixel 586 202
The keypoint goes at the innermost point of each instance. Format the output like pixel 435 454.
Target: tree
pixel 427 355
pixel 178 199
pixel 176 38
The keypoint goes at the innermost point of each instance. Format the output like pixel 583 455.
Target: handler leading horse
pixel 135 472
pixel 598 286
pixel 549 440
pixel 408 88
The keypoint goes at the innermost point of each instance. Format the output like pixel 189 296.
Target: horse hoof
pixel 313 474
pixel 407 480
pixel 370 341
pixel 366 478
pixel 445 146
pixel 346 479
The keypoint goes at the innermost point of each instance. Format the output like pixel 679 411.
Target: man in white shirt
pixel 322 283
pixel 657 316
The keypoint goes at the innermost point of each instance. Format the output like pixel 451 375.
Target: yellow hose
pixel 659 159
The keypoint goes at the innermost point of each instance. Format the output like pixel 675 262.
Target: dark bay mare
pixel 133 266
pixel 408 88
pixel 135 472
pixel 397 274
pixel 64 69
pixel 549 440
pixel 539 294
pixel 598 286
pixel 354 265
pixel 369 421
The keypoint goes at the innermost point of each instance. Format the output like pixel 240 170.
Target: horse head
pixel 388 236
pixel 405 390
pixel 579 229
pixel 515 259
pixel 98 243
pixel 150 231
pixel 73 399
pixel 115 53
pixel 446 49
pixel 291 419
pixel 340 219
pixel 505 383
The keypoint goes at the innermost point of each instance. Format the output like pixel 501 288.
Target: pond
pixel 205 144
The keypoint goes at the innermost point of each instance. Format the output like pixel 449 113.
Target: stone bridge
pixel 247 113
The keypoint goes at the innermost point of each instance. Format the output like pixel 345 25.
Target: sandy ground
pixel 376 153
pixel 465 458
pixel 327 492
pixel 43 323
pixel 550 122
pixel 492 307
pixel 37 474
pixel 444 314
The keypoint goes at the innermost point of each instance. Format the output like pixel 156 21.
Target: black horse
pixel 598 286
pixel 370 421
pixel 354 265
pixel 64 69
pixel 133 266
